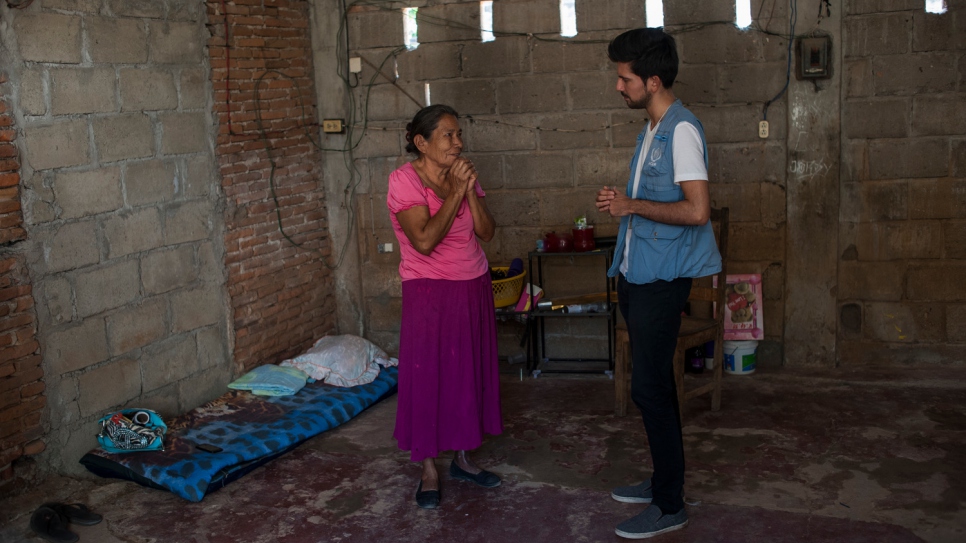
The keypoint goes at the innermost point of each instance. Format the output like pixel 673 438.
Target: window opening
pixel 428 101
pixel 654 13
pixel 486 21
pixel 743 14
pixel 568 18
pixel 935 6
pixel 410 30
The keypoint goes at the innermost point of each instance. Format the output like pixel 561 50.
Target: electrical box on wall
pixel 815 57
pixel 333 126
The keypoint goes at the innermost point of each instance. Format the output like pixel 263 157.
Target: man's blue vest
pixel 661 251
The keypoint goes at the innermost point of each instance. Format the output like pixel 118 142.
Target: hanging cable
pixel 792 19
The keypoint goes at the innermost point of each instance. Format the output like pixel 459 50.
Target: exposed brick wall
pixel 902 275
pixel 281 295
pixel 22 398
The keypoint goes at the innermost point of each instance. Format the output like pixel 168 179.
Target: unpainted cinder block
pixel 49 37
pixel 752 82
pixel 935 72
pixel 531 94
pixel 169 361
pixel 119 41
pixel 149 182
pixel 747 163
pixel 137 8
pixel 71 245
pixel 176 43
pixel 857 77
pixel 500 134
pixel 943 198
pixel 938 32
pixel 738 123
pixel 107 287
pixel 956 323
pixel 82 90
pixel 905 322
pixel 136 326
pixel 860 7
pixel 597 168
pixel 57 298
pixel 878 200
pixel 881 34
pixel 147 89
pixel 871 280
pixel 743 200
pixel 561 207
pixel 212 347
pixel 468 97
pixel 168 269
pixel 198 179
pixel 33 100
pixel 490 170
pixel 204 386
pixel 681 12
pixel 375 28
pixel 730 46
pixel 185 10
pixel 76 347
pixel 594 90
pixel 753 242
pixel 88 6
pixel 84 193
pixel 429 62
pixel 447 23
pixel 122 137
pixel 183 133
pixel 954 239
pixel 514 208
pixel 695 84
pixel 197 308
pixel 132 232
pixel 940 282
pixel 187 221
pixel 908 158
pixel 505 56
pixel 558 131
pixel 899 240
pixel 383 143
pixel 607 15
pixel 876 118
pixel 539 170
pixel 194 88
pixel 938 116
pixel 564 57
pixel 57 145
pixel 527 16
pixel 111 385
pixel 384 313
pixel 388 103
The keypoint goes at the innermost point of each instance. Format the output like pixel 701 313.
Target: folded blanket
pixel 271 380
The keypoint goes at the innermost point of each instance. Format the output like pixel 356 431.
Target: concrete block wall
pixel 267 150
pixel 122 210
pixel 902 270
pixel 22 389
pixel 546 128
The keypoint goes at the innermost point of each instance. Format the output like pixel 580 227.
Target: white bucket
pixel 739 357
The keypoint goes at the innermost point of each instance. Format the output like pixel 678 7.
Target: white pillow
pixel 343 361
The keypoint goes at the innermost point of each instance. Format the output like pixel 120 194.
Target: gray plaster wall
pixel 122 207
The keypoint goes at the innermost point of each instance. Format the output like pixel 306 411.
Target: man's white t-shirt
pixel 688 155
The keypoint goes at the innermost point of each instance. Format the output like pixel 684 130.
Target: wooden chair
pixel 695 332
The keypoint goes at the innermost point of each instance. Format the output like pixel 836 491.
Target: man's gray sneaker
pixel 634 494
pixel 651 523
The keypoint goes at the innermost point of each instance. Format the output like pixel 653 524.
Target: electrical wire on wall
pixel 792 20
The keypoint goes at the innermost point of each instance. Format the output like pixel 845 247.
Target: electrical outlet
pixel 763 129
pixel 355 65
pixel 333 126
pixel 384 247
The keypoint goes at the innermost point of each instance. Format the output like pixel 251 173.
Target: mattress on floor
pixel 250 429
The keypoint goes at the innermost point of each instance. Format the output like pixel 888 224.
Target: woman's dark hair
pixel 650 51
pixel 424 123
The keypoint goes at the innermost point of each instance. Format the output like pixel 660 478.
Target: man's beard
pixel 640 104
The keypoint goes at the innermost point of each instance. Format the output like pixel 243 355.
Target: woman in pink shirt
pixel 449 389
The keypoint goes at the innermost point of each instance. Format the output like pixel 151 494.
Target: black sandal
pixel 76 513
pixel 428 499
pixel 51 525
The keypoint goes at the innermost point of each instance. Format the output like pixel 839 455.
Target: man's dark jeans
pixel 653 316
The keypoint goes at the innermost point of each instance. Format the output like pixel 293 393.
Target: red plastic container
pixel 584 239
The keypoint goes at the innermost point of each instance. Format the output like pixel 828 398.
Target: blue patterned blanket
pixel 250 430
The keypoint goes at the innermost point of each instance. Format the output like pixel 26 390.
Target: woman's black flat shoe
pixel 484 478
pixel 428 499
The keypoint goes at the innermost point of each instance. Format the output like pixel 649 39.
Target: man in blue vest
pixel 665 240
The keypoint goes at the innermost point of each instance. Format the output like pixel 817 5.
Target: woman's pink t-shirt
pixel 458 256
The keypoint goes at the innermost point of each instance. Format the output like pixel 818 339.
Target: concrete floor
pixel 793 456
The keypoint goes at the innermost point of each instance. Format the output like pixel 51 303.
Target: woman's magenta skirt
pixel 449 382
